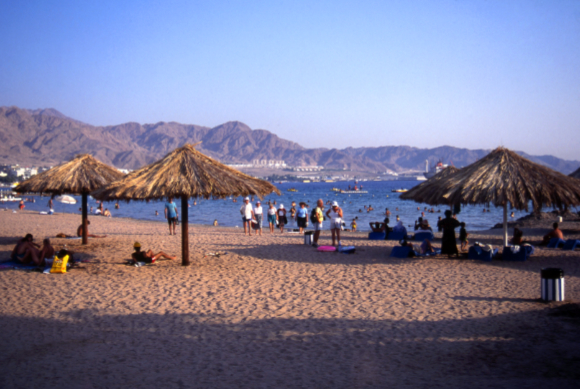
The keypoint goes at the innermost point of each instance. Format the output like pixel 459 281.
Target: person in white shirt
pixel 335 216
pixel 247 216
pixel 258 214
pixel 272 217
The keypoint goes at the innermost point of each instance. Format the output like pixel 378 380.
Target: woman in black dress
pixel 448 242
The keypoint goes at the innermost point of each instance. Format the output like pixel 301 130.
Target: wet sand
pixel 273 312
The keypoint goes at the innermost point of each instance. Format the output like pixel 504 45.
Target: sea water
pixel 227 212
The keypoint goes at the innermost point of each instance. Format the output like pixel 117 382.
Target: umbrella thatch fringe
pixel 504 177
pixel 428 186
pixel 576 174
pixel 81 174
pixel 184 172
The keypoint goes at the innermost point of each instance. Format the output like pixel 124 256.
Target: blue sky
pixel 474 74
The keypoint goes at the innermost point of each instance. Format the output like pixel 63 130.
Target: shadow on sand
pixel 85 348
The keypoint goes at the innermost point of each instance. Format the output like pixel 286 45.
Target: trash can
pixel 552 284
pixel 308 237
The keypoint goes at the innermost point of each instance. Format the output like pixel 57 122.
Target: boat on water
pixel 6 199
pixel 336 189
pixel 354 191
pixel 292 190
pixel 306 181
pixel 439 167
pixel 399 190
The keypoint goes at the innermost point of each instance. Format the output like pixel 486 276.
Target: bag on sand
pixel 59 264
pixel 314 216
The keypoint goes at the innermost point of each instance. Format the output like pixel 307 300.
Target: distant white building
pixel 270 163
pixel 308 168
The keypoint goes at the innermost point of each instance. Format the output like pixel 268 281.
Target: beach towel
pixel 16 265
pixel 347 249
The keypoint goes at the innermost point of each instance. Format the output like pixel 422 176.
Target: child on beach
pixel 353 225
pixel 463 237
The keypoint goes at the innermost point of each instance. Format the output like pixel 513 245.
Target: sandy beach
pixel 275 313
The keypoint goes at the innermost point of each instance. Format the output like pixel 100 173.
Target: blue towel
pixel 16 265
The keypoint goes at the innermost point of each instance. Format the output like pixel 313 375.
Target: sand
pixel 274 313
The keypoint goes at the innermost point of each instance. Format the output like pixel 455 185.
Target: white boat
pixel 10 199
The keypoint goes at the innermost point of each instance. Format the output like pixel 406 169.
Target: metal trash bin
pixel 308 237
pixel 552 284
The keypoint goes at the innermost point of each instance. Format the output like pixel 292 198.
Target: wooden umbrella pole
pixel 505 226
pixel 84 217
pixel 184 232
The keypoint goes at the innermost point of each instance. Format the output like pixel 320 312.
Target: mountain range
pixel 47 137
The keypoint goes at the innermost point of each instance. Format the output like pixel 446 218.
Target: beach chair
pixel 421 236
pixel 476 252
pixel 520 256
pixel 555 243
pixel 395 235
pixel 571 244
pixel 377 235
pixel 400 252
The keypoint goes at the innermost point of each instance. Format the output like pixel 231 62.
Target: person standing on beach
pixel 282 220
pixel 171 214
pixel 302 217
pixel 335 216
pixel 317 218
pixel 272 217
pixel 49 203
pixel 258 215
pixel 247 215
pixel 448 242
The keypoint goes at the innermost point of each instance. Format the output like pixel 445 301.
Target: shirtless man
pixel 555 233
pixel 147 256
pixel 80 232
pixel 27 251
pixel 47 250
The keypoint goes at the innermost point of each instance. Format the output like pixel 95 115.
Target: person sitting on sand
pixel 378 227
pixel 518 235
pixel 400 228
pixel 147 256
pixel 424 226
pixel 555 233
pixel 26 251
pixel 47 250
pixel 80 232
pixel 426 247
pixel 107 213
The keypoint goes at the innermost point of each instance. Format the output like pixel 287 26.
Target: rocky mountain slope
pixel 47 137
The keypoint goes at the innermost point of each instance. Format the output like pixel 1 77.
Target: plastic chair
pixel 421 236
pixel 482 255
pixel 509 255
pixel 571 244
pixel 400 252
pixel 377 235
pixel 396 235
pixel 555 243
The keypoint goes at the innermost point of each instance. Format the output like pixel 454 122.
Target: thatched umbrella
pixel 575 174
pixel 79 176
pixel 184 173
pixel 422 193
pixel 504 177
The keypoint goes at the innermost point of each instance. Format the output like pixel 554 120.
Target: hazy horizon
pixel 425 74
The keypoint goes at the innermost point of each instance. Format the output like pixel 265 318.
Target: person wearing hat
pixel 282 220
pixel 335 216
pixel 247 216
pixel 148 256
pixel 302 217
pixel 258 215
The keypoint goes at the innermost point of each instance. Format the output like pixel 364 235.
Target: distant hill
pixel 48 137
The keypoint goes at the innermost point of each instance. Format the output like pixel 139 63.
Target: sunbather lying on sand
pixel 147 256
pixel 80 231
